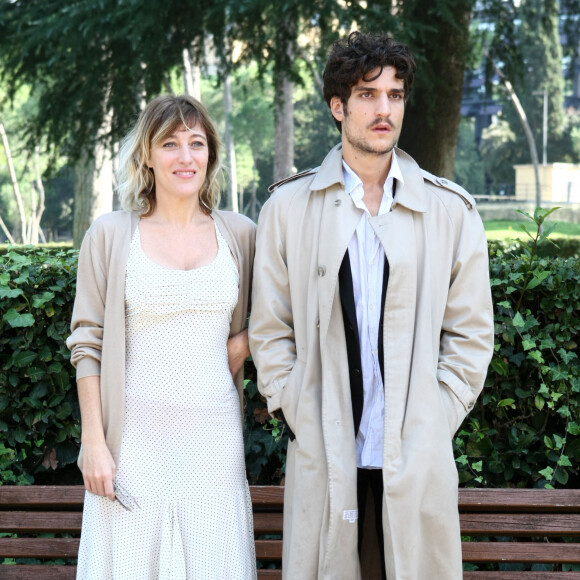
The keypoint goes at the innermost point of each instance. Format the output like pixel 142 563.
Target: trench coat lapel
pixel 339 220
pixel 397 233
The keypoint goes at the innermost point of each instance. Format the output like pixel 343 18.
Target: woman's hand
pixel 238 351
pixel 98 469
pixel 98 464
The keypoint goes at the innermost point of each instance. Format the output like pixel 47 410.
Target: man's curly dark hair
pixel 356 56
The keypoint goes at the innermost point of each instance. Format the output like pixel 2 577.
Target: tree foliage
pixel 87 58
pixel 469 167
pixel 525 43
pixel 33 173
pixel 497 145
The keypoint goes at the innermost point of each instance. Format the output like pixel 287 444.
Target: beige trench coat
pixel 438 341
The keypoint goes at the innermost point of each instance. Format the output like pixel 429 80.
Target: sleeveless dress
pixel 182 452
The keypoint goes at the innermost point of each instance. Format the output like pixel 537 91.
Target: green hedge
pixel 523 432
pixel 556 248
pixel 525 429
pixel 39 414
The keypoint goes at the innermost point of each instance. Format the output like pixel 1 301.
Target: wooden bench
pixel 512 526
pixel 533 523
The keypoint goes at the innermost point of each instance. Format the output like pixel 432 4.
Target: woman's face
pixel 179 163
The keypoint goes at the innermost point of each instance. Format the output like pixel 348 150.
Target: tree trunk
pixel 93 187
pixel 38 202
pixel 433 113
pixel 284 125
pixel 253 207
pixel 6 231
pixel 15 187
pixel 32 225
pixel 191 75
pixel 284 100
pixel 527 130
pixel 312 68
pixel 232 186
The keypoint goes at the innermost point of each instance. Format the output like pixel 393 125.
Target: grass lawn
pixel 508 229
pixel 52 245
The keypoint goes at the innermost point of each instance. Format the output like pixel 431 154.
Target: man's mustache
pixel 382 122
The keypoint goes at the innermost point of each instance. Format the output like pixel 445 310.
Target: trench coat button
pixel 337 202
pixel 442 181
pixel 317 322
pixel 321 270
pixel 470 405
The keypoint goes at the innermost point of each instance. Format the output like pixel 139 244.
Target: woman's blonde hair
pixel 160 118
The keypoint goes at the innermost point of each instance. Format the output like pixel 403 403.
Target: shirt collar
pixel 352 180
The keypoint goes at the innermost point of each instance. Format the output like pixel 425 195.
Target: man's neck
pixel 373 171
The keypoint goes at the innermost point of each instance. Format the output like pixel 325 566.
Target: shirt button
pixel 356 372
pixel 321 270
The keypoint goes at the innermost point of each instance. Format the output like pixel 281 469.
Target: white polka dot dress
pixel 182 453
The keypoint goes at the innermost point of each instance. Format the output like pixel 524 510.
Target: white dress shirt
pixel 367 262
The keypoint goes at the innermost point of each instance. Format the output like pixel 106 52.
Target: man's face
pixel 373 115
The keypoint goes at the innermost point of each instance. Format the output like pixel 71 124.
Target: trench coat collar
pixel 412 194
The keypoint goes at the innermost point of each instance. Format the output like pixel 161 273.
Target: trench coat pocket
pixel 291 394
pixel 453 408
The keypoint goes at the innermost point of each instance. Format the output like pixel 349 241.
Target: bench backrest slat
pixel 523 575
pixel 519 524
pixel 270 550
pixel 267 496
pixel 525 500
pixel 39 548
pixel 267 523
pixel 26 572
pixel 40 522
pixel 537 552
pixel 42 496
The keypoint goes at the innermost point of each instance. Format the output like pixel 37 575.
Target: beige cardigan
pixel 97 342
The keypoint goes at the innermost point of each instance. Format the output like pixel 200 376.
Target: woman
pixel 157 335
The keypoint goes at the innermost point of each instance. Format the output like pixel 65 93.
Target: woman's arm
pixel 238 351
pixel 98 465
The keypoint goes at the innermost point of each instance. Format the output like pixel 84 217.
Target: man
pixel 371 330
